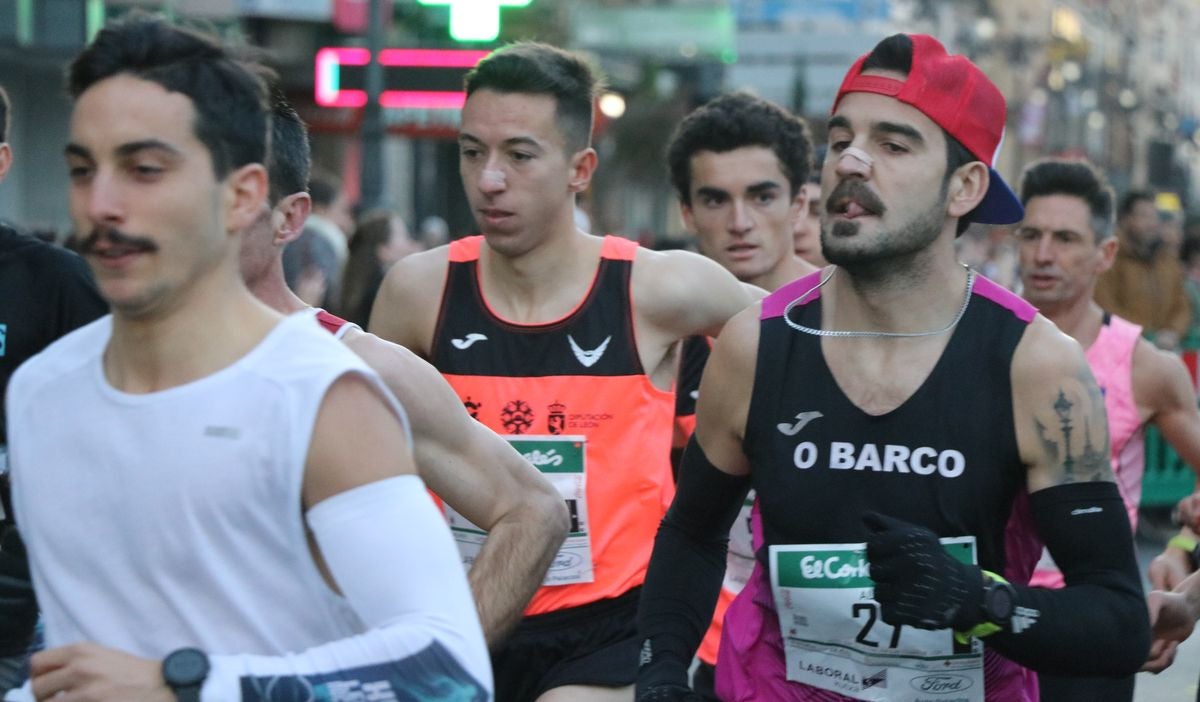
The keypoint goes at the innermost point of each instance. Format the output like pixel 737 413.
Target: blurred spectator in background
pixel 434 232
pixel 806 234
pixel 313 263
pixel 311 268
pixel 1170 216
pixel 332 215
pixel 380 240
pixel 990 251
pixel 1145 283
pixel 1190 257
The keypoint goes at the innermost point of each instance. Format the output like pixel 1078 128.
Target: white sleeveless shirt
pixel 174 518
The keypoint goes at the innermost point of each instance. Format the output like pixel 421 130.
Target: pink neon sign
pixel 328 77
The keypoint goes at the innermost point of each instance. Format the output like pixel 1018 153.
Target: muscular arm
pixel 481 477
pixel 1163 391
pixel 1181 309
pixel 1164 394
pixel 681 294
pixel 406 306
pixel 1062 428
pixel 1098 623
pixel 684 575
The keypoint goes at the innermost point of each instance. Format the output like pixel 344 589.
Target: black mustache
pixel 854 189
pixel 117 238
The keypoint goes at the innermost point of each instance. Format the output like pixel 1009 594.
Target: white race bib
pixel 834 637
pixel 562 461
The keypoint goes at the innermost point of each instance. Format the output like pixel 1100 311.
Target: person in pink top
pixel 1065 242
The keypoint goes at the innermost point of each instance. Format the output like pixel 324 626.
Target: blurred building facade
pixel 1113 80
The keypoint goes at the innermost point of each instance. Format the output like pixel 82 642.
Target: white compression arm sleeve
pixel 394 560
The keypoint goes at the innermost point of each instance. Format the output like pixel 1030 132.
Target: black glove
pixel 669 693
pixel 662 677
pixel 917 583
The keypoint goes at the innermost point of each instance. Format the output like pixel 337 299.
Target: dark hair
pixel 228 96
pixel 289 161
pixel 541 69
pixel 731 122
pixel 895 54
pixel 363 270
pixel 1131 199
pixel 323 187
pixel 1076 178
pixel 5 106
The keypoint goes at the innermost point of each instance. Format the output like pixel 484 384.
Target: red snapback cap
pixel 959 98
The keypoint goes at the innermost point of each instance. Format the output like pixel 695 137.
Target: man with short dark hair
pixel 1065 243
pixel 234 513
pixel 911 430
pixel 1145 282
pixel 463 462
pixel 45 292
pixel 544 330
pixel 738 164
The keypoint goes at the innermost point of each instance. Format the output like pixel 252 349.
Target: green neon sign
pixel 475 20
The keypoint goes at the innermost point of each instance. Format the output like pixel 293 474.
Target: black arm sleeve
pixel 684 577
pixel 1098 624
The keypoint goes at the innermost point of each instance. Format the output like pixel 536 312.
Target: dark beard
pixel 915 235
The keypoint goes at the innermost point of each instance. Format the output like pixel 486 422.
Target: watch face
pixel 187 666
pixel 1000 602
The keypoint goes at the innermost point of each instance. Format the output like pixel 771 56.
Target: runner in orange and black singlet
pixel 580 377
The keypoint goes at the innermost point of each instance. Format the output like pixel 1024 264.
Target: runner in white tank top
pixel 221 503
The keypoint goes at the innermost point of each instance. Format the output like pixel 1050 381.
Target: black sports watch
pixel 184 671
pixel 999 601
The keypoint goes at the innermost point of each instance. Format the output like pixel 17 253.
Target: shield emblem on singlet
pixel 556 418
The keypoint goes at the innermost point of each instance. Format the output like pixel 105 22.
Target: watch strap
pixel 1189 546
pixel 984 628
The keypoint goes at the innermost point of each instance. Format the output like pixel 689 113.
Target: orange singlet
pixel 579 375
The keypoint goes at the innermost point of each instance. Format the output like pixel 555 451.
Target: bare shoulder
pixel 734 356
pixel 357 439
pixel 1045 352
pixel 673 274
pixel 1160 380
pixel 1058 410
pixel 739 338
pixel 725 392
pixel 405 373
pixel 686 293
pixel 406 306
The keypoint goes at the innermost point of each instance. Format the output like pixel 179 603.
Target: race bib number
pixel 561 460
pixel 835 638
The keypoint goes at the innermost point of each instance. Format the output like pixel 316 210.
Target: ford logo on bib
pixel 941 684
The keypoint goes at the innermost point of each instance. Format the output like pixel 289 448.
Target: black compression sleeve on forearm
pixel 684 577
pixel 1098 624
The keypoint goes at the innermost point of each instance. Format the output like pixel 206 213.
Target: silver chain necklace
pixel 787 314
